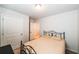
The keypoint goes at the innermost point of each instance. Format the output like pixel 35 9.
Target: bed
pixel 51 43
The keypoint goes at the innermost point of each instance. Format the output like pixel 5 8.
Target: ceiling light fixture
pixel 38 6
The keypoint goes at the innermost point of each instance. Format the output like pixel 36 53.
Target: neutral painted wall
pixel 0 26
pixel 0 30
pixel 65 22
pixel 16 24
pixel 78 30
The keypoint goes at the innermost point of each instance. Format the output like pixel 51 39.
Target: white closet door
pixel 12 31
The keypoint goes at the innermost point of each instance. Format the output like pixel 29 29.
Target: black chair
pixel 6 49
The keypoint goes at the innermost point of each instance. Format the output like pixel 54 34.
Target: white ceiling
pixel 46 9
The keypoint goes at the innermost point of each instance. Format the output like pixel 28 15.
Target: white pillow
pixel 56 38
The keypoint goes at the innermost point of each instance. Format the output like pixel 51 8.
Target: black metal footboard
pixel 26 49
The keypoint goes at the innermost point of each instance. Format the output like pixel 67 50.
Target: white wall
pixel 16 24
pixel 78 30
pixel 0 26
pixel 0 30
pixel 65 22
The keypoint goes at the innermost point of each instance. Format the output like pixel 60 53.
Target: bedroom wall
pixel 65 22
pixel 78 30
pixel 16 24
pixel 0 31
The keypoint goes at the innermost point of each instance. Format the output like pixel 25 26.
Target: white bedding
pixel 44 45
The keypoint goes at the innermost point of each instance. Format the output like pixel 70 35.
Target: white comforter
pixel 47 46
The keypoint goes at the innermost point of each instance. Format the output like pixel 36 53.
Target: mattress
pixel 44 45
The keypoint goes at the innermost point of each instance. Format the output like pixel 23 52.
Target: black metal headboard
pixel 54 33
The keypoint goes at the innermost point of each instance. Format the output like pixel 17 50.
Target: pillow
pixel 56 38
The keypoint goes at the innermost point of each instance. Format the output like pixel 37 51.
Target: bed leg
pixel 64 34
pixel 21 47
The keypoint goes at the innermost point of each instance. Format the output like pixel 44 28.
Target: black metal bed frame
pixel 28 49
pixel 56 33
